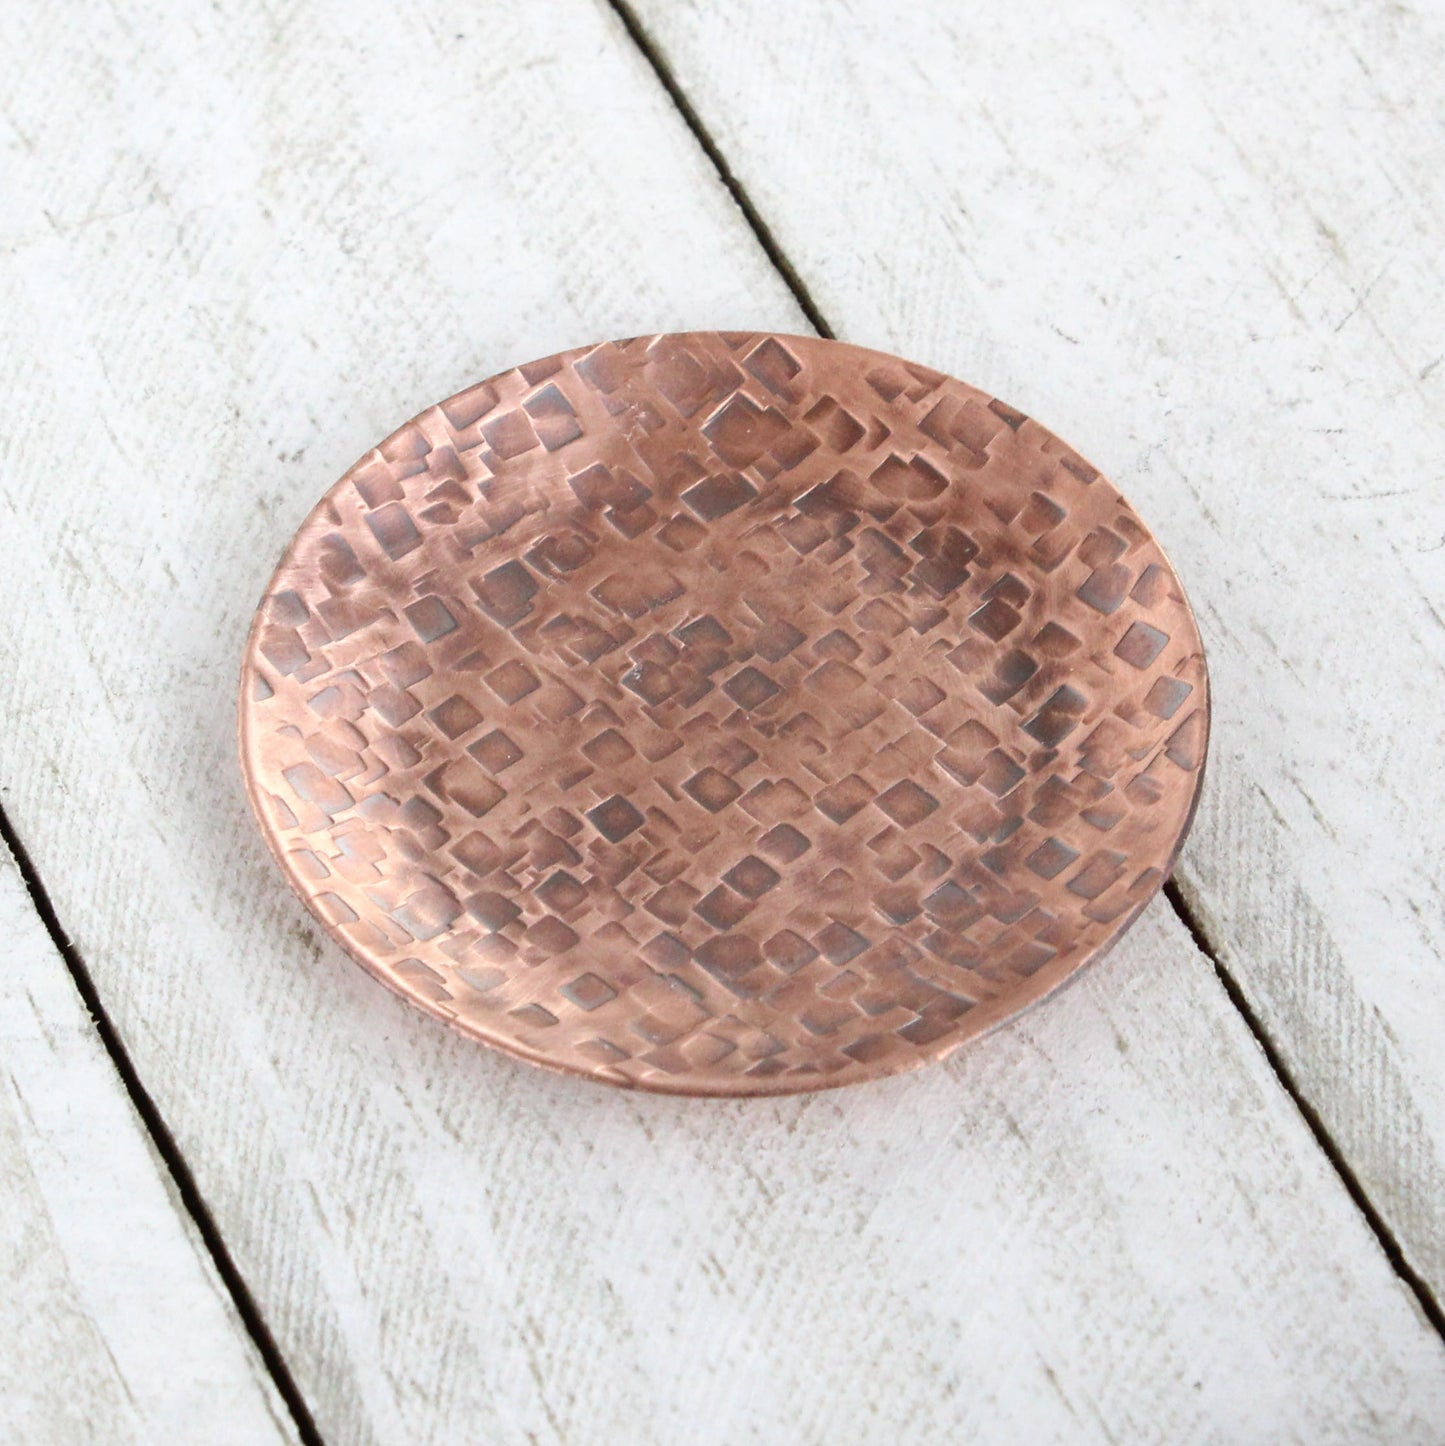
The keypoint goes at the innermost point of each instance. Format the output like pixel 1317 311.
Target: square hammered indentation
pixel 750 688
pixel 751 877
pixel 588 992
pixel 712 789
pixel 496 752
pixel 615 818
pixel 907 804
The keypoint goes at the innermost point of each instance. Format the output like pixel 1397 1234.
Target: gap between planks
pixel 165 1143
pixel 1430 1307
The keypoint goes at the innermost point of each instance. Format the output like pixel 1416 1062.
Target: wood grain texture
pixel 1204 242
pixel 113 1325
pixel 240 246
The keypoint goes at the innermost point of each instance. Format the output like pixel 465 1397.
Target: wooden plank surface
pixel 241 246
pixel 113 1325
pixel 1203 243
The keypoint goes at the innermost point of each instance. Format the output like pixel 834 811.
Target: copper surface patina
pixel 724 713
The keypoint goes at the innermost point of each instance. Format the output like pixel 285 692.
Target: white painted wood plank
pixel 1202 242
pixel 113 1324
pixel 241 246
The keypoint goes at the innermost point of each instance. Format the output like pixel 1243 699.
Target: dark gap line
pixel 700 133
pixel 165 1143
pixel 1417 1285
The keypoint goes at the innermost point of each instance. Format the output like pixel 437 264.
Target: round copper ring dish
pixel 724 713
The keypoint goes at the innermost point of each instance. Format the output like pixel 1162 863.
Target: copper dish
pixel 724 713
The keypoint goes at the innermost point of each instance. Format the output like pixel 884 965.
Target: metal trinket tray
pixel 724 713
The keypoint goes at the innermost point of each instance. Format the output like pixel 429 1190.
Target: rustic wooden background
pixel 245 1194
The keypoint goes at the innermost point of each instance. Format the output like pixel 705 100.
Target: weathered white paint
pixel 240 246
pixel 113 1325
pixel 1203 243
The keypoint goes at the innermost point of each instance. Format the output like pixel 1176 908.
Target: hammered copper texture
pixel 724 713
